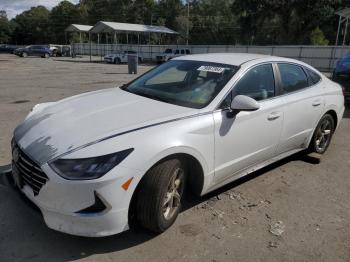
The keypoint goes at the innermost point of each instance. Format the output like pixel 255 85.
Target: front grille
pixel 30 173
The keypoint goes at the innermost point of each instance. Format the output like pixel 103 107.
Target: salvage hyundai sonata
pixel 94 162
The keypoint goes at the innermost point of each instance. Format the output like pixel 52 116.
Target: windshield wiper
pixel 124 86
pixel 150 96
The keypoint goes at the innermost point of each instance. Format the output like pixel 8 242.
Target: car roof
pixel 227 58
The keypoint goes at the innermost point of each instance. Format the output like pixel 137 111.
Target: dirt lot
pixel 311 198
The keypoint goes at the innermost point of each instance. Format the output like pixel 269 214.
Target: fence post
pixel 331 59
pixel 300 52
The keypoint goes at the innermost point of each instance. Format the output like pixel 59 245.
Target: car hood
pixel 57 128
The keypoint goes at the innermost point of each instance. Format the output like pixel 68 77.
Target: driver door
pixel 248 138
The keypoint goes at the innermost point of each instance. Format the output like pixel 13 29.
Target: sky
pixel 15 7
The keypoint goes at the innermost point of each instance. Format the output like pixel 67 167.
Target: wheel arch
pixel 195 179
pixel 333 113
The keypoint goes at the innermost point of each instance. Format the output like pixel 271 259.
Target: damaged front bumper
pixel 94 208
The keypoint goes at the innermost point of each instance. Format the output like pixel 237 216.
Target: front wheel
pixel 160 195
pixel 322 135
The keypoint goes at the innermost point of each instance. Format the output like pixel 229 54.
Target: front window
pixel 185 83
pixel 258 83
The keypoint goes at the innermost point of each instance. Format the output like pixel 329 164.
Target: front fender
pixel 192 136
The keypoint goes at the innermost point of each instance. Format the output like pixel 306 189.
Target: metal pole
pixel 98 44
pixel 90 45
pixel 346 29
pixel 81 45
pixel 127 38
pixel 336 42
pixel 188 22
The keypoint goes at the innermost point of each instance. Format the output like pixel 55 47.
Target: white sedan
pixel 94 162
pixel 121 57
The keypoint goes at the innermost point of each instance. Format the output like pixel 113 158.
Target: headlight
pixel 88 168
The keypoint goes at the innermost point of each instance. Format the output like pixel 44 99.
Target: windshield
pixel 185 83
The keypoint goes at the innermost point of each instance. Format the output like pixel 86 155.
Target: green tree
pixel 170 10
pixel 212 22
pixel 317 37
pixel 5 28
pixel 61 16
pixel 32 26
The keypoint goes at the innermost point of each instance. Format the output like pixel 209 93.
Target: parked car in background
pixel 56 51
pixel 171 53
pixel 341 75
pixel 7 48
pixel 34 50
pixel 95 162
pixel 121 57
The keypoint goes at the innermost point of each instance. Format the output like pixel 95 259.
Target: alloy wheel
pixel 323 135
pixel 172 199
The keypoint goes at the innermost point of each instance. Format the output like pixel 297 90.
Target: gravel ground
pixel 295 210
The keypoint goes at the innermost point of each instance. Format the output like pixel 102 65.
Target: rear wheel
pixel 24 54
pixel 322 135
pixel 46 55
pixel 160 195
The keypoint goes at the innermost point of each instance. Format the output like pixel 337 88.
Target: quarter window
pixel 293 77
pixel 257 83
pixel 314 77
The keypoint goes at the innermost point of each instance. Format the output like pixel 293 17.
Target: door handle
pixel 316 103
pixel 274 116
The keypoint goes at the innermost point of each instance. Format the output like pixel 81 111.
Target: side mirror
pixel 243 103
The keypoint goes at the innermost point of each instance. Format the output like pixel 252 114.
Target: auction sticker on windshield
pixel 214 69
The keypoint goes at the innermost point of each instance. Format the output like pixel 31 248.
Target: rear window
pixel 293 77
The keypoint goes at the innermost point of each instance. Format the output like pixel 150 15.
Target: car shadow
pixel 192 201
pixel 79 247
pixel 24 222
pixel 70 60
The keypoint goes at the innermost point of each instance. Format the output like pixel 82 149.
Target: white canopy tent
pixel 78 29
pixel 117 28
pixel 75 28
pixel 344 16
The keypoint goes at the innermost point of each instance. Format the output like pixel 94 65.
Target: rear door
pixel 303 105
pixel 248 138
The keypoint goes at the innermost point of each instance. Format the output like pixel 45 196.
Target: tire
pixel 24 54
pixel 140 60
pixel 322 135
pixel 46 55
pixel 117 61
pixel 160 195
